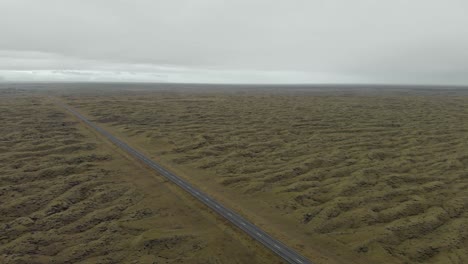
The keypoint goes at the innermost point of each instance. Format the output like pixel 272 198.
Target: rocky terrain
pixel 67 196
pixel 384 174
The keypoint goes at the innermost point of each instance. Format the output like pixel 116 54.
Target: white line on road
pixel 276 246
pixel 298 260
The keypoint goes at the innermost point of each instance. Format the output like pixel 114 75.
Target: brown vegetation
pixel 66 196
pixel 385 175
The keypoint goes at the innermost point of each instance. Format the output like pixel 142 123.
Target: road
pixel 288 254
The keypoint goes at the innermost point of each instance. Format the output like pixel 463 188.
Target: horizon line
pixel 244 84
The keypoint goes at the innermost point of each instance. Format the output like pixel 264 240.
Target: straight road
pixel 288 254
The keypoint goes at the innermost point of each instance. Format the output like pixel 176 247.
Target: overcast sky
pixel 297 41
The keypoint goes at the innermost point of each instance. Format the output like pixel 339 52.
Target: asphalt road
pixel 288 254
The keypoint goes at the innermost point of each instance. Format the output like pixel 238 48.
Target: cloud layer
pixel 237 41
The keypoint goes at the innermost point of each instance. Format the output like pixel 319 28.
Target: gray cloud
pixel 419 41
